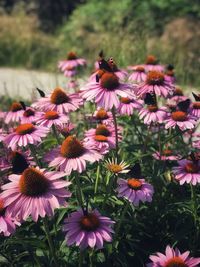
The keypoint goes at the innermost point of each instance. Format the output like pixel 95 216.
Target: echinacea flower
pixel 72 61
pixel 166 154
pixel 105 92
pixel 51 117
pixel 59 101
pixel 195 109
pixel 102 138
pixel 88 228
pixel 129 105
pixel 25 134
pixel 15 113
pixel 7 223
pixel 115 167
pixel 139 75
pixel 153 114
pixel 151 64
pixel 72 155
pixel 103 116
pixel 30 115
pixel 180 119
pixel 35 192
pixel 155 83
pixel 173 258
pixel 135 190
pixel 69 72
pixel 187 172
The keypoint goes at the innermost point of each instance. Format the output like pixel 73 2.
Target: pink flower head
pixel 153 114
pixel 155 83
pixel 52 117
pixel 121 74
pixel 30 115
pixel 15 113
pixel 188 171
pixel 166 154
pixel 69 72
pixel 71 62
pixel 102 138
pixel 173 258
pixel 35 192
pixel 66 129
pixel 59 101
pixel 25 134
pixel 72 155
pixel 103 116
pixel 139 75
pixel 105 92
pixel 88 228
pixel 135 190
pixel 7 223
pixel 152 64
pixel 180 119
pixel 129 105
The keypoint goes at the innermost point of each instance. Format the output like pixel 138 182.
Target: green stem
pixel 50 242
pixel 55 133
pixel 124 210
pixel 79 191
pixel 97 181
pixel 34 154
pixel 116 132
pixel 195 214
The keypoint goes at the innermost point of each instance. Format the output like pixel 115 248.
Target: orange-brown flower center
pixel 71 55
pixel 175 262
pixel 2 209
pixel 140 69
pixel 89 222
pixel 109 81
pixel 151 60
pixel 101 133
pixel 25 128
pixel 152 108
pixel 33 183
pixel 101 114
pixel 155 78
pixel 51 115
pixel 125 100
pixel 29 112
pixel 16 107
pixel 135 184
pixel 179 115
pixel 167 152
pixel 192 167
pixel 115 168
pixel 100 72
pixel 72 148
pixel 59 96
pixel 178 91
pixel 196 105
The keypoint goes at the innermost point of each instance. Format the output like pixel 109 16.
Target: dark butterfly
pixel 19 163
pixel 103 65
pixel 196 97
pixel 135 170
pixel 170 67
pixel 97 78
pixel 150 99
pixel 184 105
pixel 42 94
pixel 101 54
pixel 23 105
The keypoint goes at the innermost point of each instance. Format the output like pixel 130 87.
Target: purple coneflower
pixel 152 64
pixel 88 228
pixel 166 154
pixel 7 223
pixel 103 116
pixel 35 192
pixel 52 117
pixel 138 74
pixel 129 105
pixel 30 115
pixel 72 61
pixel 181 119
pixel 153 114
pixel 15 113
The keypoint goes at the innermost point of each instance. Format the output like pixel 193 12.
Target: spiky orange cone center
pixel 155 78
pixel 102 133
pixel 72 148
pixel 192 167
pixel 89 222
pixel 115 168
pixel 59 97
pixel 151 60
pixel 71 55
pixel 167 152
pixel 175 262
pixel 179 115
pixel 135 184
pixel 109 81
pixel 101 114
pixel 33 183
pixel 51 115
pixel 140 69
pixel 25 128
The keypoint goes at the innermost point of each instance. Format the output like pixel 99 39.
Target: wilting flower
pixel 135 190
pixel 102 138
pixel 187 172
pixel 30 115
pixel 35 192
pixel 25 134
pixel 51 117
pixel 15 113
pixel 72 61
pixel 88 228
pixel 173 258
pixel 106 91
pixel 153 114
pixel 129 105
pixel 139 75
pixel 115 167
pixel 72 155
pixel 155 83
pixel 181 119
pixel 59 101
pixel 7 223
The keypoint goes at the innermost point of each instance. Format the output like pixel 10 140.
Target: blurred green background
pixel 36 34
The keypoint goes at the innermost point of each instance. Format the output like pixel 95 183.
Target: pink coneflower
pixel 15 113
pixel 152 64
pixel 153 114
pixel 102 138
pixel 195 106
pixel 180 119
pixel 173 258
pixel 138 74
pixel 88 228
pixel 72 155
pixel 121 74
pixel 70 72
pixel 66 129
pixel 72 61
pixel 106 91
pixel 52 117
pixel 188 171
pixel 59 101
pixel 166 154
pixel 7 223
pixel 25 134
pixel 129 105
pixel 103 116
pixel 135 190
pixel 35 192
pixel 155 82
pixel 30 115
